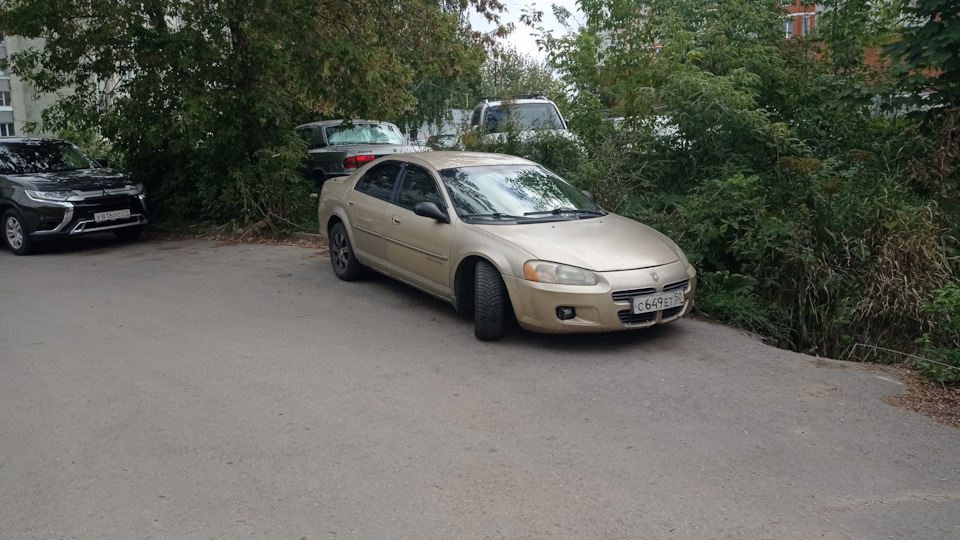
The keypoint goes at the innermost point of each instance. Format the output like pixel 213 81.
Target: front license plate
pixel 113 215
pixel 656 302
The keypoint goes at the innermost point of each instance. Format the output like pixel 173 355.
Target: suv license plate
pixel 113 215
pixel 656 302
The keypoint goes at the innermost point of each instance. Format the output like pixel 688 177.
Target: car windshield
pixel 364 134
pixel 524 116
pixel 19 157
pixel 515 192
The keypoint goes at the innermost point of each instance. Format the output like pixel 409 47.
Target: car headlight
pixel 548 272
pixel 48 195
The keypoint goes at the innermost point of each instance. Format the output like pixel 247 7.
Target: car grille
pixel 625 296
pixel 678 285
pixel 84 211
pixel 628 317
pixel 88 207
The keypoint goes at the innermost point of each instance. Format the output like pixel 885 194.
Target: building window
pixel 806 25
pixel 788 27
pixel 5 100
pixel 6 130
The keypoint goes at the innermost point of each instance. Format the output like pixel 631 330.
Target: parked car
pixel 526 114
pixel 49 188
pixel 492 233
pixel 334 149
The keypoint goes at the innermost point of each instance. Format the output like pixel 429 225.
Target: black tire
pixel 15 233
pixel 489 305
pixel 128 234
pixel 345 263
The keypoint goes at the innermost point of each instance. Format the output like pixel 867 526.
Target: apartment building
pixel 800 18
pixel 20 105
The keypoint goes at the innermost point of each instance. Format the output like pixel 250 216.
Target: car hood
pixel 80 180
pixel 602 244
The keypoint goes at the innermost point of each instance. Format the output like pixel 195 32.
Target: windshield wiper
pixel 559 211
pixel 494 215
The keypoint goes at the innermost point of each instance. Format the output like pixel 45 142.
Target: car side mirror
pixel 589 195
pixel 104 163
pixel 431 210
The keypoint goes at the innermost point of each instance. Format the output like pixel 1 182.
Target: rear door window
pixel 379 181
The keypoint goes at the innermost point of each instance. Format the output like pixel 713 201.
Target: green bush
pixel 941 347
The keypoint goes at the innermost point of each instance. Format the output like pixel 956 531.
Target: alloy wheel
pixel 341 251
pixel 14 232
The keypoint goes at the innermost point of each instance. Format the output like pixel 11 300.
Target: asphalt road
pixel 186 389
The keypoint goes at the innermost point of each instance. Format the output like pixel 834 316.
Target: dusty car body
pixel 335 149
pixel 494 234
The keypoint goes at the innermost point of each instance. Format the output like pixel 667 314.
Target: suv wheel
pixel 15 233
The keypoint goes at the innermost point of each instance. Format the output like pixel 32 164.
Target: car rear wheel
pixel 15 233
pixel 128 234
pixel 489 304
pixel 345 264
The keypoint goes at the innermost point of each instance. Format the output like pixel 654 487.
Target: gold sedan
pixel 492 234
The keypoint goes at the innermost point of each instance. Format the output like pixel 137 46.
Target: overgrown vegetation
pixel 817 193
pixel 198 98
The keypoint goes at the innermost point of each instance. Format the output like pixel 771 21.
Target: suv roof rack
pixel 518 96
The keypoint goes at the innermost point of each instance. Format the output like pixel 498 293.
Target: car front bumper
pixel 604 307
pixel 48 219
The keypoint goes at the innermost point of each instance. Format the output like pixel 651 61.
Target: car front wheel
pixel 345 264
pixel 15 233
pixel 489 303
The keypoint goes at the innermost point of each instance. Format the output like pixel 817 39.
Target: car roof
pixel 518 102
pixel 28 139
pixel 451 159
pixel 329 123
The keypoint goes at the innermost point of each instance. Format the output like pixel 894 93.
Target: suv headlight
pixel 57 196
pixel 548 272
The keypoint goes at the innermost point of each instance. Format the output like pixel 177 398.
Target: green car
pixel 334 149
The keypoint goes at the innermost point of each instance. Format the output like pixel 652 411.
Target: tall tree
pixel 203 94
pixel 508 72
pixel 928 50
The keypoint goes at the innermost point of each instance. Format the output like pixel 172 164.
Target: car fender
pixel 474 242
pixel 339 213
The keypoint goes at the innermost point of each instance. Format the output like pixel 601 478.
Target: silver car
pixel 336 149
pixel 494 234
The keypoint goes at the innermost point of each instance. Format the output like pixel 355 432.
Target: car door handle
pixel 396 220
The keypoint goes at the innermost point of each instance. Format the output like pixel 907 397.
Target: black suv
pixel 50 188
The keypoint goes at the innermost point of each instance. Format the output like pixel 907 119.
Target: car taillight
pixel 353 162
